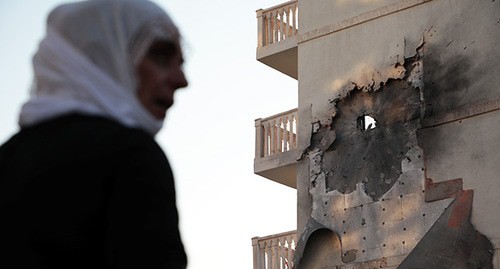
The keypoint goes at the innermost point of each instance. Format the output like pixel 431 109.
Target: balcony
pixel 276 150
pixel 274 251
pixel 277 37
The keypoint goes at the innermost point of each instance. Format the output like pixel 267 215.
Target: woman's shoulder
pixel 81 143
pixel 85 125
pixel 86 132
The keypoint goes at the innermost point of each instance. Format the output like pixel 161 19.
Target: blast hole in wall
pixel 366 123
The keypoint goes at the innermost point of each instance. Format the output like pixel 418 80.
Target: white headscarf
pixel 87 61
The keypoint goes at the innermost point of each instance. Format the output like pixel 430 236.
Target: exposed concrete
pixel 371 156
pixel 395 183
pixel 348 150
pixel 452 242
pixel 363 170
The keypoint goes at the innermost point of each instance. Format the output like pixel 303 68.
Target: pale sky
pixel 209 135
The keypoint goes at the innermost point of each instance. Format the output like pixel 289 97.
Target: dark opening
pixel 366 123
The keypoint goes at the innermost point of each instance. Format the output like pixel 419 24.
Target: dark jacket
pixel 86 192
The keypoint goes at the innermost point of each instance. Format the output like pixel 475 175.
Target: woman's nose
pixel 179 78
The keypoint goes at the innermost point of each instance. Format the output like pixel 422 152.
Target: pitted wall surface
pixel 427 74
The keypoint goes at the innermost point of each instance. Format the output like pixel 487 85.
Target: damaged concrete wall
pixel 469 148
pixel 427 80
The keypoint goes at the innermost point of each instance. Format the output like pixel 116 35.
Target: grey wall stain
pixel 447 82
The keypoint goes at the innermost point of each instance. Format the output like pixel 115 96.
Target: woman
pixel 84 184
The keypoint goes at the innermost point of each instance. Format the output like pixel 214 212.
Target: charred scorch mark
pixel 446 82
pixel 355 152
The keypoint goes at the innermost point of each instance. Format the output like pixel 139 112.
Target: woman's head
pixel 114 34
pixel 117 58
pixel 160 74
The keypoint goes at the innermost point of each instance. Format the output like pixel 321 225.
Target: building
pixel 394 148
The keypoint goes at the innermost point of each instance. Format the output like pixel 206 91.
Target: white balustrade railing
pixel 277 23
pixel 274 251
pixel 276 134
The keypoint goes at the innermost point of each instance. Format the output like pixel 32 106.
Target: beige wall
pixel 319 13
pixel 469 149
pixel 364 43
pixel 329 64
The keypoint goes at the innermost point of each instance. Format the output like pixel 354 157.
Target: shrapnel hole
pixel 366 123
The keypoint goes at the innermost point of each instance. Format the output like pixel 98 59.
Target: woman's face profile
pixel 160 74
